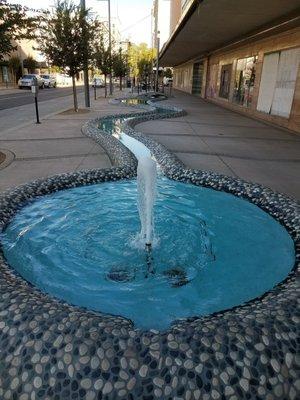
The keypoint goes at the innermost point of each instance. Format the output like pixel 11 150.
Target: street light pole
pixel 157 61
pixel 86 67
pixel 109 39
pixel 109 44
pixel 156 39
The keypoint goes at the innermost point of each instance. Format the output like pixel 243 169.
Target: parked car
pixel 28 80
pixel 49 81
pixel 98 82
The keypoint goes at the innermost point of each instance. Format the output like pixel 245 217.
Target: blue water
pixel 213 251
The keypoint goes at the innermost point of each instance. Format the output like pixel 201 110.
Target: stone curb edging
pixel 52 350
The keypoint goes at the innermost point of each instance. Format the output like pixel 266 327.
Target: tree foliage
pixel 66 36
pixel 140 59
pixel 14 65
pixel 15 24
pixel 31 64
pixel 120 65
pixel 102 58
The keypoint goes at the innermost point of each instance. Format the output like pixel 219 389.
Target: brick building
pixel 239 54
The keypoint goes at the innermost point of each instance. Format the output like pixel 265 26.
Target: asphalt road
pixel 25 96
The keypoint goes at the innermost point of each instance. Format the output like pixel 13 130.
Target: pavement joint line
pixel 45 117
pixel 218 155
pixel 56 157
pixel 221 136
pixel 87 155
pixel 43 139
pixel 296 160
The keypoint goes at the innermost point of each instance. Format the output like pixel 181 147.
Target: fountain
pixel 212 257
pixel 146 184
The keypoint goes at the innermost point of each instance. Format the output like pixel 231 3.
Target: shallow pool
pixel 212 251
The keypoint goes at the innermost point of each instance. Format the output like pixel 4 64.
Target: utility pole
pixel 156 40
pixel 86 67
pixel 110 57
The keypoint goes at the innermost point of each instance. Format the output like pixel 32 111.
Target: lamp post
pixel 109 44
pixel 156 42
pixel 86 67
pixel 157 61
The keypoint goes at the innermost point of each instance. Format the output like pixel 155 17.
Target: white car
pixel 49 81
pixel 98 82
pixel 28 80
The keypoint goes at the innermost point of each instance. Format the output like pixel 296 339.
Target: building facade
pixel 255 72
pixel 24 49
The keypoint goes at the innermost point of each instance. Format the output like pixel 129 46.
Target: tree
pixel 15 24
pixel 66 39
pixel 119 65
pixel 140 60
pixel 168 73
pixel 30 63
pixel 14 65
pixel 102 60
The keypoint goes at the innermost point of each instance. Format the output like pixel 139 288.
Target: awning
pixel 212 24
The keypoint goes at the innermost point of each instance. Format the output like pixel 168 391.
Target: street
pixel 26 97
pixel 17 108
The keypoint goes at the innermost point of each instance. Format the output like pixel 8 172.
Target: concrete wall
pixel 183 77
pixel 211 84
pixel 175 14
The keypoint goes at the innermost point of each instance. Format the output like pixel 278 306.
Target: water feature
pixel 209 250
pixel 146 183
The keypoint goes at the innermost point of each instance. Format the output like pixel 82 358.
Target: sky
pixel 133 16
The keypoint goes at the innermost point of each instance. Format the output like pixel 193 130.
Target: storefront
pixel 240 58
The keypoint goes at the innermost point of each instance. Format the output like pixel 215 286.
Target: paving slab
pixel 205 163
pixel 182 143
pixel 213 138
pixel 55 146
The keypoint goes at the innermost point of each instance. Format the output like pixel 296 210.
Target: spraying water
pixel 146 182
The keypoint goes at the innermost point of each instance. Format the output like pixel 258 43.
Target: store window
pixel 197 79
pixel 225 81
pixel 278 82
pixel 244 81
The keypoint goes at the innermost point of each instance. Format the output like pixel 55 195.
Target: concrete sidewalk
pixel 213 138
pixel 55 146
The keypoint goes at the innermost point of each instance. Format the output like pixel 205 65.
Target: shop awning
pixel 212 24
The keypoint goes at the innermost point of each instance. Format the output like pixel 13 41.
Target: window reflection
pixel 244 81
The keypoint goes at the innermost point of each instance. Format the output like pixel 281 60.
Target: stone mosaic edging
pixel 52 350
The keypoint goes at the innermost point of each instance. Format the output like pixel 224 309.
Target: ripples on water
pixel 210 251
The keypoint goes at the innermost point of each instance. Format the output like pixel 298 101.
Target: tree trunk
pixel 121 83
pixel 74 94
pixel 105 87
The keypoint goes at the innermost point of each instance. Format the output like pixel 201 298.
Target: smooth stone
pixel 131 383
pixel 107 388
pixel 244 383
pixel 86 383
pixel 37 382
pixel 98 384
pixel 143 371
pixel 275 365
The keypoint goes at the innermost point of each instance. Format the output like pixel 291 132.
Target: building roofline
pixel 182 22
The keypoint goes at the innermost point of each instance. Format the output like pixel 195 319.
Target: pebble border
pixel 51 350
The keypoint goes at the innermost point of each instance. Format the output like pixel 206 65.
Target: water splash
pixel 146 182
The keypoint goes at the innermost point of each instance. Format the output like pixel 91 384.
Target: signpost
pixel 35 90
